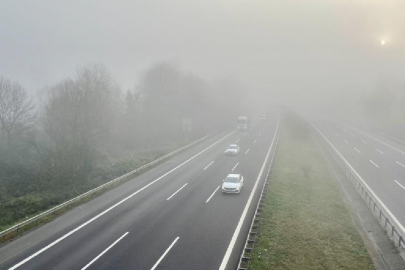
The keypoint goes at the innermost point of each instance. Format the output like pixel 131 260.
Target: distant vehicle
pixel 263 118
pixel 233 150
pixel 233 183
pixel 243 123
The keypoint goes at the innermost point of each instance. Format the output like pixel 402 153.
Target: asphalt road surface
pixel 379 160
pixel 171 217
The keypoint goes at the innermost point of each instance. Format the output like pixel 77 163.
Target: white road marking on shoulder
pixel 400 164
pixel 209 165
pixel 177 191
pixel 399 184
pixel 374 163
pixel 212 194
pixel 164 254
pixel 102 253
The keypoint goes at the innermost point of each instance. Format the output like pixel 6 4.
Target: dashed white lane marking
pixel 255 141
pixel 331 130
pixel 357 150
pixel 379 151
pixel 363 142
pixel 102 253
pixel 260 134
pixel 399 184
pixel 208 165
pixel 212 194
pixel 374 163
pixel 247 151
pixel 345 130
pixel 237 140
pixel 399 163
pixel 177 191
pixel 337 135
pixel 164 254
pixel 353 135
pixel 115 205
pixel 235 166
pixel 245 134
pixel 346 141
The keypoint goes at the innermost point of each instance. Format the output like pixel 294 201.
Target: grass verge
pixel 305 223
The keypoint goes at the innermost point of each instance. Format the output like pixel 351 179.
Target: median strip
pixel 304 223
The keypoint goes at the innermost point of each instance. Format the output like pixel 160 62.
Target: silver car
pixel 233 183
pixel 232 150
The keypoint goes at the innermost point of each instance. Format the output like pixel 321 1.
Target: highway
pixel 377 159
pixel 173 216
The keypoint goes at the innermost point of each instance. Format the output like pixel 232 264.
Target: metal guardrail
pixel 17 227
pixel 387 220
pixel 254 226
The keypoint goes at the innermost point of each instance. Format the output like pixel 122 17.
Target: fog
pixel 90 90
pixel 291 48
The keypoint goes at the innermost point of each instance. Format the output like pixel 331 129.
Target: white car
pixel 233 149
pixel 233 183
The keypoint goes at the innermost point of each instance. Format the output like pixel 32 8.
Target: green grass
pixel 305 223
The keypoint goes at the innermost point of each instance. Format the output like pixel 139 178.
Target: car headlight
pixel 237 188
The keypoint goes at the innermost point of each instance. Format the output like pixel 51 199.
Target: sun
pixel 382 42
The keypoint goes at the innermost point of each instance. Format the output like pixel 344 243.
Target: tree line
pixel 85 130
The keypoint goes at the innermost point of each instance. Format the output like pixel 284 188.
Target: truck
pixel 243 123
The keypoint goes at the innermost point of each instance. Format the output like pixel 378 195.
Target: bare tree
pixel 16 109
pixel 77 119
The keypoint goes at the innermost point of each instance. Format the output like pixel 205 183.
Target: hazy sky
pixel 287 45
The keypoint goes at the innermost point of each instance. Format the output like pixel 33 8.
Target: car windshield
pixel 241 121
pixel 232 179
pixel 233 147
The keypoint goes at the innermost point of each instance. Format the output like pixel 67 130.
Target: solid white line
pixel 346 141
pixel 209 165
pixel 212 194
pixel 399 184
pixel 337 135
pixel 357 150
pixel 255 141
pixel 243 216
pixel 114 206
pixel 400 164
pixel 177 191
pixel 363 141
pixel 378 140
pixel 247 151
pixel 237 140
pixel 374 163
pixel 379 151
pixel 235 166
pixel 260 134
pixel 102 253
pixel 164 254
